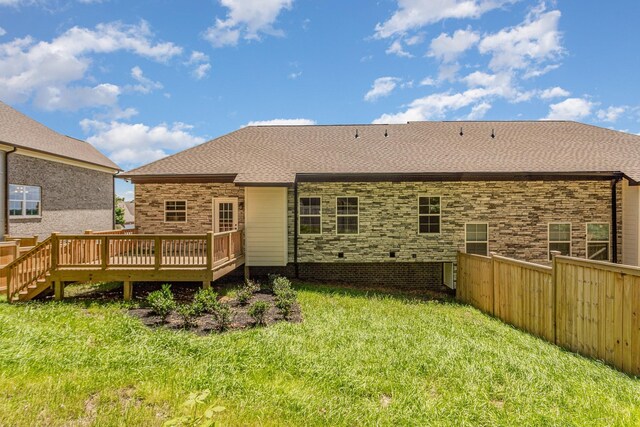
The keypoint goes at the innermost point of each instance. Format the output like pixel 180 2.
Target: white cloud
pixel 396 49
pixel 382 86
pixel 30 69
pixel 247 19
pixel 145 84
pixel 570 109
pixel 282 122
pixel 554 92
pixel 413 14
pixel 478 111
pixel 611 114
pixel 428 81
pixel 435 106
pixel 536 40
pixel 200 62
pixel 2 31
pixel 130 145
pixel 294 75
pixel 447 48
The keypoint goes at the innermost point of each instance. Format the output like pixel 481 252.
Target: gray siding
pixel 74 199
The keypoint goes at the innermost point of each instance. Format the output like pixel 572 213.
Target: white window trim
pixel 39 216
pixel 356 215
pixel 186 211
pixel 549 241
pixel 587 241
pixel 236 213
pixel 439 215
pixel 318 215
pixel 465 236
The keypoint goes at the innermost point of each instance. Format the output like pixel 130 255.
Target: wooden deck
pixel 123 257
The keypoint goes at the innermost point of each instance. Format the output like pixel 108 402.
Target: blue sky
pixel 144 79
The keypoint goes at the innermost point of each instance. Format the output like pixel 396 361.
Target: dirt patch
pixel 206 324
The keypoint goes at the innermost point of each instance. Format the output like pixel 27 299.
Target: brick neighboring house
pixel 51 182
pixel 394 203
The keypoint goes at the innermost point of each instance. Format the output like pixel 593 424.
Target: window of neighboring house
pixel 24 200
pixel 477 238
pixel 175 211
pixel 559 237
pixel 429 215
pixel 310 215
pixel 347 215
pixel 598 241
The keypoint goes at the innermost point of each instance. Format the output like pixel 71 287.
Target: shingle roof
pixel 21 131
pixel 275 154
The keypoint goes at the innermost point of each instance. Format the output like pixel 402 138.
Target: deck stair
pixel 120 256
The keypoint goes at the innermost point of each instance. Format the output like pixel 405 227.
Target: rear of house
pixel 51 182
pixel 392 204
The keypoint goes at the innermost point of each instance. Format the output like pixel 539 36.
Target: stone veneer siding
pixel 517 212
pixel 73 198
pixel 150 200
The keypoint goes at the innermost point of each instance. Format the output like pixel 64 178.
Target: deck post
pixel 229 245
pixel 246 271
pixel 157 243
pixel 209 251
pixel 104 252
pixel 54 251
pixel 58 287
pixel 127 290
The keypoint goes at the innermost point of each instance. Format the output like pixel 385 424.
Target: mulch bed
pixel 205 324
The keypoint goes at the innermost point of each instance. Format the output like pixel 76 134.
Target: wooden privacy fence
pixel 589 307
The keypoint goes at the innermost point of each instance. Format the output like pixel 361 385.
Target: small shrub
pixel 162 302
pixel 252 286
pixel 223 316
pixel 188 313
pixel 243 295
pixel 285 301
pixel 205 301
pixel 258 311
pixel 281 284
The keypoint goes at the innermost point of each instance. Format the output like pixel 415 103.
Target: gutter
pixel 295 229
pixel 6 190
pixel 614 220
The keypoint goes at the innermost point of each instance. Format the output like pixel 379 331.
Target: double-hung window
pixel 175 211
pixel 559 237
pixel 429 215
pixel 477 238
pixel 598 241
pixel 24 201
pixel 310 216
pixel 347 215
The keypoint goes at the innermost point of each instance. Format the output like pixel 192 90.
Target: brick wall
pixel 150 200
pixel 517 214
pixel 73 199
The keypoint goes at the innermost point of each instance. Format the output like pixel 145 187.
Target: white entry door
pixel 225 214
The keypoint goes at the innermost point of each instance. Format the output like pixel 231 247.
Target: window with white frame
pixel 477 238
pixel 559 237
pixel 310 215
pixel 24 200
pixel 347 215
pixel 598 241
pixel 175 211
pixel 429 214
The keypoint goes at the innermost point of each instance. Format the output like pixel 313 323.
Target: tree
pixel 119 211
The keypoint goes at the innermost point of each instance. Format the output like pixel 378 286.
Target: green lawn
pixel 357 359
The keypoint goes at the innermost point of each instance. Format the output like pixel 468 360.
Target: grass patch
pixel 357 359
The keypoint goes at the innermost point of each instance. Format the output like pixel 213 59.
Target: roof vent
pixel 386 134
pixel 356 133
pixel 461 133
pixel 493 134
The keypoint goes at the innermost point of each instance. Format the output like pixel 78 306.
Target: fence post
pixel 55 251
pixel 554 290
pixel 493 283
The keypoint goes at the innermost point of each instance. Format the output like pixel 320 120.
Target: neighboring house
pixel 51 182
pixel 129 213
pixel 394 203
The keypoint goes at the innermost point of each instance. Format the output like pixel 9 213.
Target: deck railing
pixel 109 251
